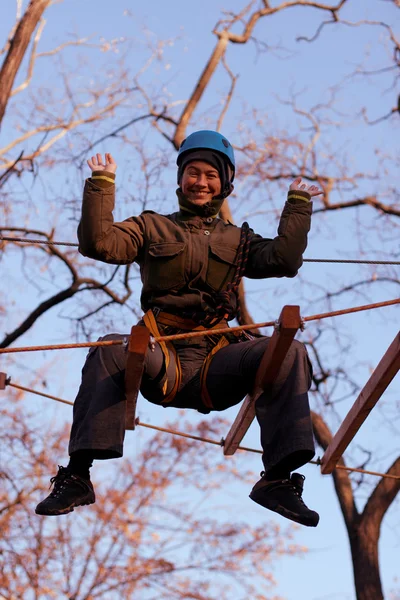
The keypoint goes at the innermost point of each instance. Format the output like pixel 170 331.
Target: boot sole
pixel 281 510
pixel 54 513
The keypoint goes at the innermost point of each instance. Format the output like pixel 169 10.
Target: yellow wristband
pixel 103 177
pixel 298 197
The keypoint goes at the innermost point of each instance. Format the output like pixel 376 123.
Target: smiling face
pixel 200 182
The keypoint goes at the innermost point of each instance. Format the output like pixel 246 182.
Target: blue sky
pixel 308 70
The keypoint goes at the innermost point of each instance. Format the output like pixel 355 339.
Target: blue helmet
pixel 208 140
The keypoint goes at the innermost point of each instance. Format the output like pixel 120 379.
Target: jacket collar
pixel 189 210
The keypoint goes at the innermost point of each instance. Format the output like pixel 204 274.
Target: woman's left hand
pixel 313 190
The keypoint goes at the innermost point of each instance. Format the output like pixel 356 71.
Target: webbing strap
pixel 205 396
pixel 175 321
pixel 151 323
pixel 166 318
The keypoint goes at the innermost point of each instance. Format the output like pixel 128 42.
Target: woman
pixel 191 263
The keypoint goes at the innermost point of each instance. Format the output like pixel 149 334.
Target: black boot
pixel 284 497
pixel 69 490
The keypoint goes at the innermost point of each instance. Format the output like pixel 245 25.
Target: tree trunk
pixel 18 46
pixel 364 551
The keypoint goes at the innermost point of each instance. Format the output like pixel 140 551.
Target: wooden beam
pixel 137 348
pixel 3 381
pixel 288 324
pixel 369 396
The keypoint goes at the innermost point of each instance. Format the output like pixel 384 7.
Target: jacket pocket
pixel 221 266
pixel 165 265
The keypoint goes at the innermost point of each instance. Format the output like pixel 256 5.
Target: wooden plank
pixel 368 397
pixel 288 324
pixel 3 381
pixel 137 348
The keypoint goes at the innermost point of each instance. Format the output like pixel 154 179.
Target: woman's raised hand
pixel 96 163
pixel 313 190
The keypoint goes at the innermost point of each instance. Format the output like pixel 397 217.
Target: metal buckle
pixel 152 343
pixel 156 311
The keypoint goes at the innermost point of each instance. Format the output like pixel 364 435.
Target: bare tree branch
pixel 32 58
pixel 62 128
pixel 17 49
pixel 382 496
pixel 78 284
pixel 229 96
pixel 201 85
pixel 38 312
pixel 367 201
pixel 5 176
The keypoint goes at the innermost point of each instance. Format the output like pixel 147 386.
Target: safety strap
pixel 151 324
pixel 205 396
pixel 188 324
pixel 172 320
pixel 169 319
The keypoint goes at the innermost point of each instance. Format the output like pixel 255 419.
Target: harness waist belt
pixel 166 318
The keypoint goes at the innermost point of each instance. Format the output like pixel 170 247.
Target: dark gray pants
pixel 282 412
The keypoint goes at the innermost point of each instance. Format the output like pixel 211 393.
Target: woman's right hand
pixel 96 163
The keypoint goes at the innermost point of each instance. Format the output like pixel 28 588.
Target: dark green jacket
pixel 183 259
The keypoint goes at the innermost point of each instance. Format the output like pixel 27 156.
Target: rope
pixel 25 389
pixel 63 346
pixel 244 448
pixel 227 301
pixel 345 311
pixel 352 261
pixel 194 334
pixel 309 260
pixel 200 438
pixel 181 434
pixel 46 242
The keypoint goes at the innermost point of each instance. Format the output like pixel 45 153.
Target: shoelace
pixel 296 488
pixel 58 481
pixel 299 493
